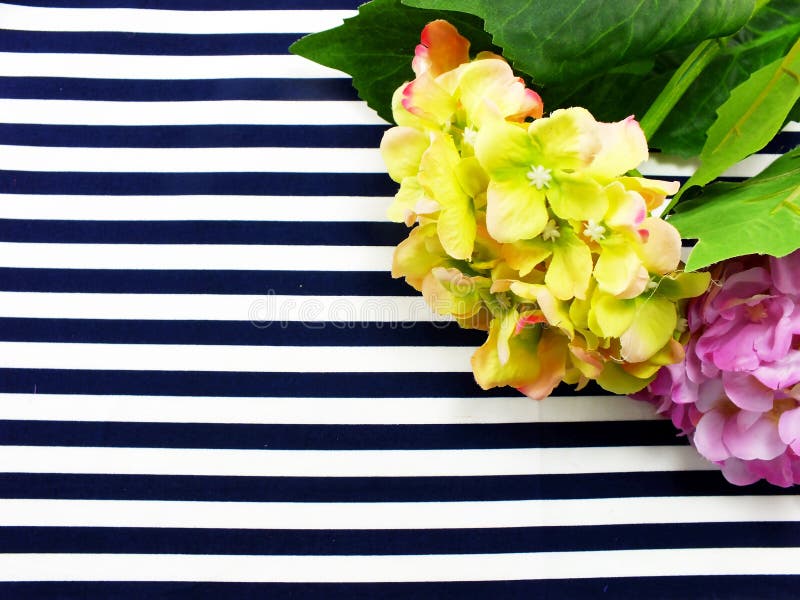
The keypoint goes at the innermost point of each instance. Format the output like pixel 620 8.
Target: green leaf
pixel 758 216
pixel 571 40
pixel 752 115
pixel 766 37
pixel 376 47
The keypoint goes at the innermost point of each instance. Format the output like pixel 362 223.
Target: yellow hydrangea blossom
pixel 531 228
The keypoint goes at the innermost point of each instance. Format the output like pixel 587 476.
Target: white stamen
pixel 539 177
pixel 470 136
pixel 682 325
pixel 550 231
pixel 594 231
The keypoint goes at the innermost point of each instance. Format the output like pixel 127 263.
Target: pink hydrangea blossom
pixel 737 393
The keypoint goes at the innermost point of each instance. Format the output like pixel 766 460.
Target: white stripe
pixel 349 463
pixel 199 256
pixel 132 66
pixel 195 208
pixel 321 411
pixel 265 311
pixel 399 568
pixel 664 166
pixel 192 160
pixel 201 112
pixel 169 21
pixel 268 159
pixel 281 359
pixel 398 515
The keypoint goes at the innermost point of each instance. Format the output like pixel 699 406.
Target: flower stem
pixel 680 81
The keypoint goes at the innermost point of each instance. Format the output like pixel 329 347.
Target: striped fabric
pixel 211 387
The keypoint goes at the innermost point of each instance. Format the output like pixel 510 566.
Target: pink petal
pixel 742 285
pixel 760 440
pixel 789 428
pixel 708 436
pixel 783 373
pixel 709 394
pixel 738 472
pixel 747 392
pixel 784 273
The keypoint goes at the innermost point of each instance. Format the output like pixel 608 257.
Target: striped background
pixel 210 386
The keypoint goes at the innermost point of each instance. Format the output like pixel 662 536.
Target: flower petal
pixel 617 266
pixel 708 436
pixel 652 327
pixel 570 269
pixel 622 147
pixel 661 252
pixel 577 197
pixel 402 149
pixel 568 138
pixel 610 317
pixel 514 212
pixel 441 49
pixel 759 441
pixel 747 392
pixel 789 428
pixel 522 366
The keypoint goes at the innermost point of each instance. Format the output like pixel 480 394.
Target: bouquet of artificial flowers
pixel 537 228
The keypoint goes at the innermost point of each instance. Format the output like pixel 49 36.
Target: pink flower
pixel 737 393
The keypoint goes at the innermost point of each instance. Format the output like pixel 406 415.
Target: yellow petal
pixel 490 91
pixel 609 316
pixel 514 212
pixel 456 227
pixel 401 149
pixel 625 208
pixel 522 365
pixel 567 138
pixel 552 355
pixel 577 197
pixel 651 329
pixel 623 147
pixel 661 251
pixel 617 381
pixel 412 258
pixel 409 201
pixel 570 268
pixel 617 266
pixel 523 256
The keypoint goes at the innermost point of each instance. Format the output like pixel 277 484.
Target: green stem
pixel 680 81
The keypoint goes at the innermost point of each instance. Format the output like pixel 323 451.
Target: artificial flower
pixel 737 393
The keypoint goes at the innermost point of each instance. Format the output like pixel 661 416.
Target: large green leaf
pixel 759 216
pixel 376 47
pixel 765 38
pixel 571 40
pixel 752 115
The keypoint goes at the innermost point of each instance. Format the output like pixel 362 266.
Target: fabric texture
pixel 210 386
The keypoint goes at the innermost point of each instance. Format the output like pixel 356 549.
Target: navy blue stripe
pixel 247 384
pixel 610 588
pixel 197 4
pixel 782 143
pixel 169 184
pixel 112 42
pixel 282 542
pixel 193 136
pixel 348 333
pixel 338 437
pixel 376 489
pixel 338 233
pixel 161 90
pixel 323 283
